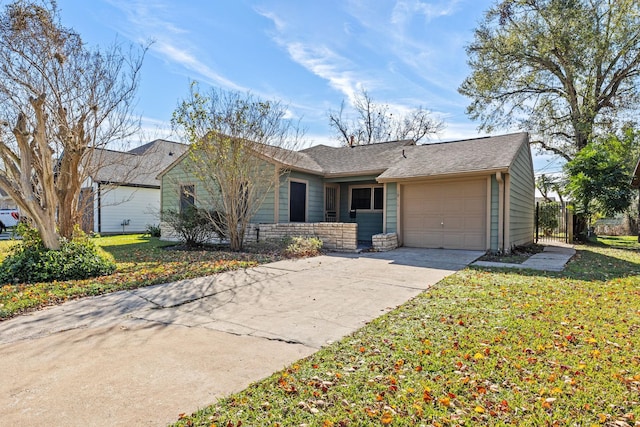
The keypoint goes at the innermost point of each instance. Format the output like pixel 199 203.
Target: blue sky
pixel 309 54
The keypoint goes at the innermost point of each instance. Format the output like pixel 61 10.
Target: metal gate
pixel 552 222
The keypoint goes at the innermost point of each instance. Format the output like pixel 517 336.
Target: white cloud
pixel 273 17
pixel 190 62
pixel 171 42
pixel 405 10
pixel 328 65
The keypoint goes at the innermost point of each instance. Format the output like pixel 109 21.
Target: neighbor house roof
pixel 137 167
pixel 487 154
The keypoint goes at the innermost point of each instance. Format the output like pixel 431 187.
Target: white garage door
pixel 449 215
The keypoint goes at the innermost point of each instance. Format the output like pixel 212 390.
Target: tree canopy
pixel 600 174
pixel 58 101
pixel 564 70
pixel 374 122
pixel 235 140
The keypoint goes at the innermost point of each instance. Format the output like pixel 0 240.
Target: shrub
pixel 298 247
pixel 194 225
pixel 153 230
pixel 32 262
pixel 548 218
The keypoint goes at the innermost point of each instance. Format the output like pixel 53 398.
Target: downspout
pixel 507 212
pixel 99 197
pixel 384 208
pixel 488 224
pixel 399 224
pixel 500 180
pixel 276 196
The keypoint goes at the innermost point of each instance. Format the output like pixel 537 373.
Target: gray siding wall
pixel 179 175
pixel 522 197
pixel 170 187
pixel 315 196
pixel 494 213
pixel 392 207
pixel 369 223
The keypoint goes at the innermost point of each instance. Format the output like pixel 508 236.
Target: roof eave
pixel 464 174
pixel 359 173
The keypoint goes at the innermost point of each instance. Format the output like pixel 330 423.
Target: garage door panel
pixel 474 204
pixel 453 240
pixel 471 223
pixel 433 240
pixel 453 205
pixel 445 214
pixel 474 241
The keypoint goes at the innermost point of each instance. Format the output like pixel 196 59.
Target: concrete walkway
pixel 554 258
pixel 142 357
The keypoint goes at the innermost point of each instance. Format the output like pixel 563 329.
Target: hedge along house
pixel 470 194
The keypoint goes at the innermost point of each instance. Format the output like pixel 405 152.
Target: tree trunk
pixel 49 236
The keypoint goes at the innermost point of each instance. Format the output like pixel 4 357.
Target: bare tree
pixel 60 101
pixel 375 123
pixel 240 146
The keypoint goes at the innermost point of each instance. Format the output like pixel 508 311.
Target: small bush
pixel 194 225
pixel 153 230
pixel 299 247
pixel 32 262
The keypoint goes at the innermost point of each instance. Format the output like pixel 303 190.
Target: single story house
pixel 122 193
pixel 470 194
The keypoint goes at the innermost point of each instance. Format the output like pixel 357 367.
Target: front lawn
pixel 623 242
pixel 141 261
pixel 482 347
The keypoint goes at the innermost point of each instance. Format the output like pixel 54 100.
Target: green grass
pixel 623 242
pixel 141 261
pixel 482 347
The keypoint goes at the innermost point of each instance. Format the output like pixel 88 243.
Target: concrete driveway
pixel 142 357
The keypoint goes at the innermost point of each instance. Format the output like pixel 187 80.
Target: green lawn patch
pixel 141 261
pixel 482 347
pixel 624 242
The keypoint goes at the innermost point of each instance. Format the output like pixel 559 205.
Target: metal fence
pixel 553 222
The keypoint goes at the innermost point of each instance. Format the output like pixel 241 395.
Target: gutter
pixel 463 174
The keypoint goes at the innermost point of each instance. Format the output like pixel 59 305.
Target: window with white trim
pixel 367 197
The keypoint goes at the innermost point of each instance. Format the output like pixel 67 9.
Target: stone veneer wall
pixel 384 242
pixel 337 236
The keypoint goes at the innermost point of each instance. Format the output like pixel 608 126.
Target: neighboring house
pixel 6 202
pixel 123 195
pixel 470 194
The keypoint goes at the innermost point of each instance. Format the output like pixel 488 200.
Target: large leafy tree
pixel 240 146
pixel 565 70
pixel 600 174
pixel 59 100
pixel 372 122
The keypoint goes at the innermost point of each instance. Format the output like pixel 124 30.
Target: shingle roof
pixel 295 159
pixel 360 159
pixel 456 157
pixel 398 160
pixel 139 166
